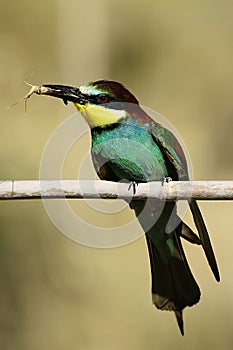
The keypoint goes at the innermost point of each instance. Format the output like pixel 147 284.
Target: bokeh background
pixel 176 56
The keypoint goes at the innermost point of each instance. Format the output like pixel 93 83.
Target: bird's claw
pixel 133 184
pixel 166 179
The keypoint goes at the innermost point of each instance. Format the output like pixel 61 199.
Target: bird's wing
pixel 170 146
pixel 175 155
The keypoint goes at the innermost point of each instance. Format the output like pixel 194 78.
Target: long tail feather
pixel 179 318
pixel 173 285
pixel 189 235
pixel 204 236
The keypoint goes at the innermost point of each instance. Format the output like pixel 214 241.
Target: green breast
pixel 127 151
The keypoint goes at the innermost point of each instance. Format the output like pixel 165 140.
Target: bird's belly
pixel 134 164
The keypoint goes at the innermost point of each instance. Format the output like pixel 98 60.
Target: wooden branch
pixel 50 189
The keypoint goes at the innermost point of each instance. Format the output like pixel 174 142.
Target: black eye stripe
pixel 99 99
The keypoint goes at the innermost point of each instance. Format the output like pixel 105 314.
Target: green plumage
pixel 128 150
pixel 137 149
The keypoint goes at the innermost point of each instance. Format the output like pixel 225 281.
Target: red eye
pixel 102 99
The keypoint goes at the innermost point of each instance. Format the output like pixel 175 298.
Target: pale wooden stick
pixel 34 189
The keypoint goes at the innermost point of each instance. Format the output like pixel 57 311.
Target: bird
pixel 128 145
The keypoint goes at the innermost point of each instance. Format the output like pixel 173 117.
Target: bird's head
pixel 102 102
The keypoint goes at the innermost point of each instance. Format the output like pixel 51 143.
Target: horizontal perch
pixel 50 189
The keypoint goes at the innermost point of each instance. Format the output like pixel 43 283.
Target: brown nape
pixel 117 89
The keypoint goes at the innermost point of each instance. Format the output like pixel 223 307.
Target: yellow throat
pixel 99 115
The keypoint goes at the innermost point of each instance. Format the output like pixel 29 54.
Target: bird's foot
pixel 133 184
pixel 166 179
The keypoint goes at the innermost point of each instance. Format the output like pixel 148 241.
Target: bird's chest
pixel 127 152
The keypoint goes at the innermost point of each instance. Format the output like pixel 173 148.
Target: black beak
pixel 66 93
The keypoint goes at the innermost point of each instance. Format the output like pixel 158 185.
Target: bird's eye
pixel 103 99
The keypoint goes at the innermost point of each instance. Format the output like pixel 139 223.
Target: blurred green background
pixel 176 56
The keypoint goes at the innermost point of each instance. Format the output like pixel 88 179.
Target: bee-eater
pixel 127 144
